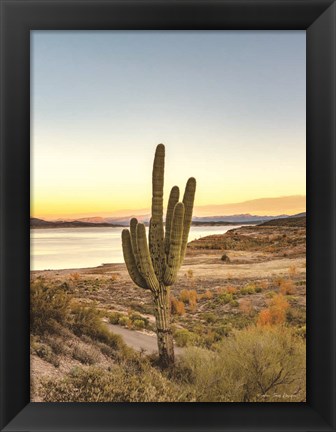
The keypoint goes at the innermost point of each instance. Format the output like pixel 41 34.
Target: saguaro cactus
pixel 155 267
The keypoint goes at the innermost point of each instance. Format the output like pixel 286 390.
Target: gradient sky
pixel 228 105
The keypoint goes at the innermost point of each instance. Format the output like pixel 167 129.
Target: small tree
pixel 155 267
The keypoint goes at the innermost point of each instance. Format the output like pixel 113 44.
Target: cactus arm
pixel 133 225
pixel 173 200
pixel 130 260
pixel 156 234
pixel 150 234
pixel 158 179
pixel 173 260
pixel 188 201
pixel 148 272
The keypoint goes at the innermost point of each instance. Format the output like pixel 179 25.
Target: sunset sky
pixel 228 105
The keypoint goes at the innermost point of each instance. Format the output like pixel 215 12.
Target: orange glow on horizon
pixel 263 206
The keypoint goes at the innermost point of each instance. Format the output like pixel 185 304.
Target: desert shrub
pixel 85 355
pixel 124 321
pixel 189 296
pixel 95 384
pixel 210 317
pixel 177 306
pixel 87 320
pixel 248 289
pixel 237 321
pixel 264 317
pixel 223 330
pixel 277 281
pixel 231 290
pixel 74 277
pixel 287 286
pixel 225 298
pixel 45 352
pixel 225 258
pixel 257 364
pixel 49 304
pixel 184 337
pixel 114 277
pixel 264 284
pixel 57 345
pixel 138 320
pixel 190 274
pixel 296 316
pixel 114 317
pixel 139 324
pixel 275 313
pixel 292 271
pixel 206 295
pixel 106 350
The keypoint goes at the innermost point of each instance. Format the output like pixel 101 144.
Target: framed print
pixel 168 208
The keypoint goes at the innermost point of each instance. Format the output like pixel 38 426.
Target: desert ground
pixel 246 284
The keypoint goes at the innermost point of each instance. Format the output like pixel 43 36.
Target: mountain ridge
pixel 98 221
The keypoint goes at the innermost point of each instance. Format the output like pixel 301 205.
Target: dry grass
pixel 177 306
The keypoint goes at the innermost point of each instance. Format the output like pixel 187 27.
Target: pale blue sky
pixel 228 105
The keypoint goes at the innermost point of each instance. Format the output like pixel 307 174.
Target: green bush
pixel 139 324
pixel 124 321
pixel 48 305
pixel 138 320
pixel 184 337
pixel 248 289
pixel 225 298
pixel 252 365
pixel 114 317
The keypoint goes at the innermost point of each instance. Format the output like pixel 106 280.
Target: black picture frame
pixel 18 17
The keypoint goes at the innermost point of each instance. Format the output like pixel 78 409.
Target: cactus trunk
pixel 163 326
pixel 154 265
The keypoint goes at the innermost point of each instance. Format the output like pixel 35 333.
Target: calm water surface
pixel 66 248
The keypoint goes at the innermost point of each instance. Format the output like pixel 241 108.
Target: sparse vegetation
pixel 177 306
pixel 253 365
pixel 119 384
pixel 228 327
pixel 49 305
pixel 275 313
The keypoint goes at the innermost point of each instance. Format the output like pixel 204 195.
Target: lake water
pixel 67 248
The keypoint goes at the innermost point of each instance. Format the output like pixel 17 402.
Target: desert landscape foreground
pixel 239 323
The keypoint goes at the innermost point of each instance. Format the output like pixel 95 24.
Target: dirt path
pixel 137 340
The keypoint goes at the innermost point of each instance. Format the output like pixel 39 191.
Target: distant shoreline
pixel 52 225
